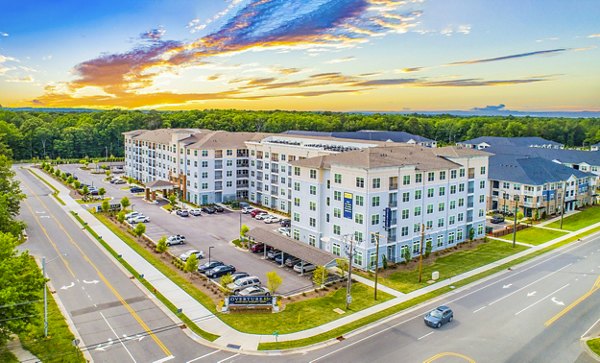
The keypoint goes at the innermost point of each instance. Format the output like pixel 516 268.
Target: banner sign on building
pixel 348 205
pixel 387 218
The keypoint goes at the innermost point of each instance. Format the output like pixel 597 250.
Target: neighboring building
pixel 485 142
pixel 390 192
pixel 538 185
pixel 595 147
pixel 374 135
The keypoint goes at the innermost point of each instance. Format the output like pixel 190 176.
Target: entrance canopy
pixel 293 247
pixel 160 185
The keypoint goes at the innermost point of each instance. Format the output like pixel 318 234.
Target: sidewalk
pixel 249 342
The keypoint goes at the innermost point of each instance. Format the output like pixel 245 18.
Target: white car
pixel 184 256
pixel 284 231
pixel 176 239
pixel 140 218
pixel 271 219
pixel 247 210
pixel 132 214
pixel 307 267
pixel 263 216
pixel 255 291
pixel 195 212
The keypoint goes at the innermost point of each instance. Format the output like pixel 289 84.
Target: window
pixel 442 191
pixel 297 186
pixel 360 182
pixel 452 174
pixel 405 213
pixel 451 220
pixel 416 246
pixel 337 178
pixel 375 202
pixel 404 231
pixel 482 184
pixel 360 200
pixel 296 217
pixel 337 213
pixel 462 172
pixel 418 178
pixel 481 213
pixel 312 240
pixel 416 227
pixel 440 241
pixel 296 234
pixel 230 162
pixel 358 218
pixel 313 190
pixel 229 152
pixel 204 175
pixel 376 183
pixel 461 187
pixel 450 237
pixel 205 153
pixel 453 189
pixel 229 173
pixel 195 152
pixel 312 206
pixel 204 185
pixel 480 229
pixel 482 170
pixel 336 230
pixel 358 236
pixel 417 211
pixel 460 217
pixel 440 222
pixel 328 184
pixel 461 202
pixel 312 222
pixel 374 219
pixel 205 164
pixel 313 174
pixel 296 171
pixel 429 224
pixel 459 235
pixel 429 208
pixel 430 176
pixel 337 195
pixel 441 207
pixel 229 183
pixel 481 198
pixel 442 175
pixel 405 197
pixel 418 194
pixel 406 180
pixel 452 204
pixel 358 258
pixel 335 248
pixel 430 193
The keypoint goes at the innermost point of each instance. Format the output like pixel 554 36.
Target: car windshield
pixel 436 314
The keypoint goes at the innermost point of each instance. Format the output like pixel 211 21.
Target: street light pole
pixel 421 252
pixel 515 226
pixel 376 261
pixel 209 248
pixel 349 282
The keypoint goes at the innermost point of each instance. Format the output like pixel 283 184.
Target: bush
pixel 161 245
pixel 139 229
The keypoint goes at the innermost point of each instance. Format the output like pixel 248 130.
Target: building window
pixel 442 175
pixel 481 198
pixel 313 190
pixel 460 217
pixel 429 208
pixel 452 204
pixel 360 200
pixel 337 195
pixel 416 227
pixel 459 235
pixel 230 162
pixel 462 172
pixel 297 202
pixel 337 178
pixel 451 220
pixel 297 186
pixel 418 178
pixel 480 229
pixel 442 191
pixel 452 174
pixel 453 189
pixel 312 206
pixel 406 179
pixel 482 184
pixel 335 248
pixel 296 171
pixel 481 213
pixel 440 241
pixel 358 218
pixel 430 192
pixel 429 224
pixel 296 234
pixel 374 219
pixel 440 222
pixel 358 258
pixel 405 197
pixel 417 211
pixel 461 187
pixel 229 173
pixel 205 164
pixel 204 185
pixel 405 213
pixel 375 202
pixel 358 236
pixel 229 184
pixel 416 247
pixel 204 175
pixel 337 213
pixel 461 202
pixel 336 230
pixel 312 240
pixel 360 182
pixel 204 153
pixel 376 183
pixel 418 194
pixel 431 176
pixel 482 170
pixel 404 231
pixel 451 238
pixel 312 222
pixel 296 217
pixel 441 207
pixel 313 174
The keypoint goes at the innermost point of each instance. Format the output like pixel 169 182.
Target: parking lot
pixel 202 232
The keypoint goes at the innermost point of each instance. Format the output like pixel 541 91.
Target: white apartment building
pixel 389 193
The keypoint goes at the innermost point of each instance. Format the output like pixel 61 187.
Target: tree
pixel 273 281
pixel 225 280
pixel 520 216
pixel 101 192
pixel 76 184
pixel 342 264
pixel 108 174
pixel 161 245
pixel 22 282
pixel 384 262
pixel 471 234
pixel 105 206
pixel 125 202
pixel 406 255
pixel 173 200
pixel 121 216
pixel 10 199
pixel 191 264
pixel 85 190
pixel 428 249
pixel 70 180
pixel 139 229
pixel 320 275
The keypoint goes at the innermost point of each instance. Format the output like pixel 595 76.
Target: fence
pixel 507 230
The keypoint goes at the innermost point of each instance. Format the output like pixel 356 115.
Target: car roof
pixel 442 308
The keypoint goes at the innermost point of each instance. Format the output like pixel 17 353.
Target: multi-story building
pixel 390 193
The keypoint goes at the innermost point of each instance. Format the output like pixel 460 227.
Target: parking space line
pixel 228 358
pixel 426 335
pixel 203 356
pixel 481 308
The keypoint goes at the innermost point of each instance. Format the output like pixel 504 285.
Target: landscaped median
pixel 535 235
pixel 594 345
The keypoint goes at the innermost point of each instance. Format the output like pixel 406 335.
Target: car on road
pixel 243 283
pixel 182 213
pixel 220 271
pixel 247 210
pixel 255 291
pixel 256 212
pixel 140 218
pixel 218 208
pixel 209 210
pixel 136 189
pixel 209 266
pixel 238 275
pixel 271 219
pixel 285 223
pixel 439 316
pixel 284 231
pixel 263 216
pixel 307 267
pixel 175 239
pixel 184 256
pixel 195 212
pixel 497 218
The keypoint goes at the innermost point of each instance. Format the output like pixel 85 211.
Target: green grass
pixel 449 265
pixel 594 345
pixel 190 324
pixel 534 235
pixel 95 201
pixel 296 316
pixel 6 356
pixel 579 220
pixel 55 194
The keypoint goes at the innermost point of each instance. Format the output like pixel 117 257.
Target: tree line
pixel 27 134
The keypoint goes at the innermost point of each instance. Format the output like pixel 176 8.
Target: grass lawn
pixel 579 220
pixel 450 265
pixel 92 201
pixel 295 317
pixel 534 236
pixel 6 356
pixel 594 345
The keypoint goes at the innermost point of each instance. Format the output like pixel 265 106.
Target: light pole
pixel 515 226
pixel 349 282
pixel 209 248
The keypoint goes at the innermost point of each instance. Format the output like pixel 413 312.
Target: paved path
pixel 23 355
pixel 249 342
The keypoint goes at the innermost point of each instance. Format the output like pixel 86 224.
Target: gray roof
pixel 159 184
pixel 303 251
pixel 511 141
pixel 562 155
pixel 376 135
pixel 530 171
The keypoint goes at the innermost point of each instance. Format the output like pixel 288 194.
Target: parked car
pixel 218 208
pixel 136 189
pixel 209 210
pixel 238 275
pixel 255 291
pixel 272 253
pixel 284 231
pixel 195 212
pixel 263 216
pixel 243 283
pixel 176 239
pixel 271 219
pixel 285 222
pixel 184 256
pixel 182 213
pixel 291 261
pixel 498 218
pixel 247 210
pixel 132 214
pixel 256 212
pixel 307 267
pixel 258 247
pixel 140 218
pixel 93 191
pixel 119 181
pixel 220 271
pixel 439 316
pixel 209 266
pixel 280 258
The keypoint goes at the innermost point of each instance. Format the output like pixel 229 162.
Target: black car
pixel 136 189
pixel 218 208
pixel 238 275
pixel 285 222
pixel 209 210
pixel 183 213
pixel 220 271
pixel 279 259
pixel 439 316
pixel 498 218
pixel 209 266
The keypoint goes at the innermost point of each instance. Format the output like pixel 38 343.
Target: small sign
pixel 250 300
pixel 348 199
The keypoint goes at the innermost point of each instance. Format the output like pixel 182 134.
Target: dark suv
pixel 439 316
pixel 498 218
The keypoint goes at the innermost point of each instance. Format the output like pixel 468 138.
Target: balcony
pixel 393 186
pixel 393 204
pixel 242 163
pixel 218 164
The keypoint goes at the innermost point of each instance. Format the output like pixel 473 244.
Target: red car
pixel 256 212
pixel 259 247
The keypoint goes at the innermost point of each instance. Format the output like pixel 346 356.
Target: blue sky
pixel 342 55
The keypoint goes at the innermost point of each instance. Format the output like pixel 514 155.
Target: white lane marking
pixel 45 217
pixel 530 294
pixel 545 297
pixel 426 335
pixel 557 302
pixel 481 308
pixel 66 287
pixel 165 359
pixel 116 335
pixel 102 347
pixel 590 328
pixel 506 286
pixel 526 286
pixel 91 282
pixel 203 356
pixel 228 358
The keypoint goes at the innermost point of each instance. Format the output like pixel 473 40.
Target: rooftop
pixel 529 170
pixel 511 141
pixel 375 135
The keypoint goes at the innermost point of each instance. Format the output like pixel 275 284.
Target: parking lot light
pixel 209 248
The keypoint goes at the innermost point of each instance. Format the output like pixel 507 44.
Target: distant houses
pixel 373 135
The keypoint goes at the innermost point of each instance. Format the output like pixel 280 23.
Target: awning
pixel 303 251
pixel 160 185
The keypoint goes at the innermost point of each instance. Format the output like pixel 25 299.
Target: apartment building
pixel 389 193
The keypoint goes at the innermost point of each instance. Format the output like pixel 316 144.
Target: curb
pixel 586 348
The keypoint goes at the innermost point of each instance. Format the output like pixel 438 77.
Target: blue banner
pixel 387 218
pixel 348 205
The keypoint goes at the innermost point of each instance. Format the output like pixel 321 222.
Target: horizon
pixel 356 56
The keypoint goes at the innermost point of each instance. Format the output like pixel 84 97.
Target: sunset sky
pixel 340 55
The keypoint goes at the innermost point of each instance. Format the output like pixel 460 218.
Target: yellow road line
pixel 449 354
pixel 594 288
pixel 111 288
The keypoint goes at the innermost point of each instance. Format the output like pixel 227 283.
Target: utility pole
pixel 515 226
pixel 564 203
pixel 349 282
pixel 376 261
pixel 421 252
pixel 45 298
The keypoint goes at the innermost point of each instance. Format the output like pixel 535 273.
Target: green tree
pixel 342 264
pixel 384 262
pixel 10 199
pixel 139 229
pixel 105 206
pixel 520 216
pixel 320 275
pixel 77 184
pixel 471 234
pixel 224 281
pixel 273 281
pixel 70 179
pixel 428 248
pixel 161 245
pixel 121 216
pixel 101 192
pixel 125 203
pixel 22 282
pixel 173 200
pixel 191 264
pixel 85 190
pixel 406 255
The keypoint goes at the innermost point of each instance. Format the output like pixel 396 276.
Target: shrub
pixel 139 229
pixel 161 245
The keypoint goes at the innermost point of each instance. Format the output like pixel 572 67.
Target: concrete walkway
pixel 249 342
pixel 23 355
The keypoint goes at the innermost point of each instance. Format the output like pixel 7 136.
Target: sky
pixel 338 55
